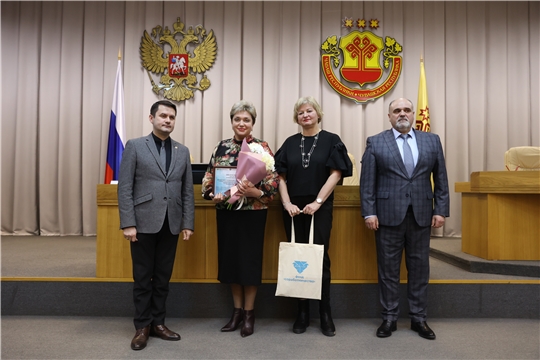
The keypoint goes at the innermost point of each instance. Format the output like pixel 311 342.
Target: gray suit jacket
pixel 146 193
pixel 386 190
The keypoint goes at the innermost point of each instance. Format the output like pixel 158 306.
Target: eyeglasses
pixel 405 110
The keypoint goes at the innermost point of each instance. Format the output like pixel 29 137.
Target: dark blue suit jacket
pixel 386 190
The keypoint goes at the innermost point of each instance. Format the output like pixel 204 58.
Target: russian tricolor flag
pixel 117 133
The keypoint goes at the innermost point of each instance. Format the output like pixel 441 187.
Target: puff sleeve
pixel 339 160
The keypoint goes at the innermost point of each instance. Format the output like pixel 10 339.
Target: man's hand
pixel 437 221
pixel 130 233
pixel 372 222
pixel 186 234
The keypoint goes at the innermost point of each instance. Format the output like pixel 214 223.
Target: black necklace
pixel 307 158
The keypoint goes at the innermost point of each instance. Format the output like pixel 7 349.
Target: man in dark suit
pixel 400 204
pixel 156 203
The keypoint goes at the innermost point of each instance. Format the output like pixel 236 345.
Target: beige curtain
pixel 59 62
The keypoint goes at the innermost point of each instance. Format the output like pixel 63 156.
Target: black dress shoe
pixel 422 328
pixel 386 328
pixel 325 311
pixel 163 332
pixel 141 338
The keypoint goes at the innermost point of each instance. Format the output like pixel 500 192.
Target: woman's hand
pixel 217 198
pixel 247 189
pixel 292 209
pixel 311 208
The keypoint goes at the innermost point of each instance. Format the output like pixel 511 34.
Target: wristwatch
pixel 319 201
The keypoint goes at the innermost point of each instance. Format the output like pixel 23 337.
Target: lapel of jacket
pixel 151 144
pixel 174 155
pixel 421 145
pixel 394 151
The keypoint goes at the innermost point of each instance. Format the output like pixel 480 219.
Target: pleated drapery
pixel 59 63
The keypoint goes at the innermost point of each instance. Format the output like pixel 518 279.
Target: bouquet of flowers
pixel 253 165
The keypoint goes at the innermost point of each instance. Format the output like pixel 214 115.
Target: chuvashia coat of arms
pixel 180 65
pixel 359 54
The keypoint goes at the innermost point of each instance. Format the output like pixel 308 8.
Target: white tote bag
pixel 300 268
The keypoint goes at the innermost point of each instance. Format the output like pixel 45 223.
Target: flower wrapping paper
pixel 250 167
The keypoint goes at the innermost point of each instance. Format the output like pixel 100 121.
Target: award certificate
pixel 224 178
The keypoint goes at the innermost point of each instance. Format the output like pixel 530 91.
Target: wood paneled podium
pixel 352 246
pixel 501 215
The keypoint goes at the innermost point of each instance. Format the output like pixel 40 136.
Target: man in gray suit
pixel 400 205
pixel 156 203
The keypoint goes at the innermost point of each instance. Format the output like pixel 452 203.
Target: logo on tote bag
pixel 300 266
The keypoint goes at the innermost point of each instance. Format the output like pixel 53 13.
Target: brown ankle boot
pixel 249 323
pixel 236 319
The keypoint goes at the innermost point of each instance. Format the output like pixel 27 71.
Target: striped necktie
pixel 407 154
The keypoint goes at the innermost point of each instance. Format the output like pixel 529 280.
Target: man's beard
pixel 403 125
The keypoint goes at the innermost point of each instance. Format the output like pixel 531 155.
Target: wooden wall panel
pixel 352 246
pixel 500 215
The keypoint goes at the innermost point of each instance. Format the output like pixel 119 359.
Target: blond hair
pixel 307 100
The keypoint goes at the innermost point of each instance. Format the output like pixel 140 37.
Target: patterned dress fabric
pixel 240 232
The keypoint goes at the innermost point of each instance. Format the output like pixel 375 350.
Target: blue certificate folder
pixel 224 178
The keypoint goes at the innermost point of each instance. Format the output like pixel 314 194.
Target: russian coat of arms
pixel 359 54
pixel 180 64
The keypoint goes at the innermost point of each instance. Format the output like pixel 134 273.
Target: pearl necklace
pixel 306 159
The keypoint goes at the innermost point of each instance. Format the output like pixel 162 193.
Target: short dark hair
pixel 167 103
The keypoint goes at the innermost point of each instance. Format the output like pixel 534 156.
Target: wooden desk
pixel 352 245
pixel 501 215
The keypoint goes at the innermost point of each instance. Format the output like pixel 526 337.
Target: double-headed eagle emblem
pixel 179 67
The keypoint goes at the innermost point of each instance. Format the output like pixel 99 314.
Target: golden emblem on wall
pixel 177 59
pixel 359 54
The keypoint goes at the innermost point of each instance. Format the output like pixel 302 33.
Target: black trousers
pixel 153 260
pixel 323 227
pixel 391 241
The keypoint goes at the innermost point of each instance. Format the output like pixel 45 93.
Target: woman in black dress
pixel 241 226
pixel 310 164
